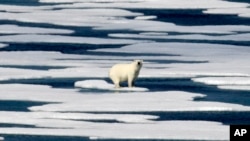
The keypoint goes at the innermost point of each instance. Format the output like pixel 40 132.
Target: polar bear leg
pixel 130 82
pixel 117 83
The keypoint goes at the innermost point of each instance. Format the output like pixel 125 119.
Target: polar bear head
pixel 137 64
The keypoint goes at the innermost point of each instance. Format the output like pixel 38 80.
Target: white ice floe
pixel 36 117
pixel 90 17
pixel 155 4
pixel 113 18
pixel 14 29
pixel 103 85
pixel 242 12
pixel 145 17
pixel 223 80
pixel 177 130
pixel 13 73
pixel 63 117
pixel 231 83
pixel 216 59
pixel 156 26
pixel 235 87
pixel 2 45
pixel 63 39
pixel 134 126
pixel 1 138
pixel 71 100
pixel 234 37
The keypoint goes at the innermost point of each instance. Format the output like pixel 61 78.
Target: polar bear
pixel 125 72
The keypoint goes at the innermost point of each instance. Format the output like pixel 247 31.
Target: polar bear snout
pixel 139 62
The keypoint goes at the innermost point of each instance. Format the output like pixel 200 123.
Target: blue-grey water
pixel 180 17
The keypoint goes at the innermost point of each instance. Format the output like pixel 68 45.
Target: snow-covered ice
pixel 103 85
pixel 128 114
pixel 160 130
pixel 233 83
pixel 71 101
pixel 13 29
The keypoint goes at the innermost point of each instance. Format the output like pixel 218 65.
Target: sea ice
pixel 63 39
pixel 223 80
pixel 173 130
pixel 2 45
pixel 14 29
pixel 103 85
pixel 232 11
pixel 234 37
pixel 235 87
pixel 233 83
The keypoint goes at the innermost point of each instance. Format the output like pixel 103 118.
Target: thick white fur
pixel 125 72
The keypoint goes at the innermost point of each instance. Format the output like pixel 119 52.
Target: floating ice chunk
pixel 63 39
pixel 154 33
pixel 13 29
pixel 35 117
pixel 157 4
pixel 2 45
pixel 103 85
pixel 232 83
pixel 234 37
pixel 223 80
pixel 232 11
pixel 145 17
pixel 168 130
pixel 1 138
pixel 235 87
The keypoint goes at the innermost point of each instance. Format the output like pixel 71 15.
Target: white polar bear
pixel 125 72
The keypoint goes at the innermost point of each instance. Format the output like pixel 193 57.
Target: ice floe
pixel 234 37
pixel 242 12
pixel 2 45
pixel 223 80
pixel 217 59
pixel 63 39
pixel 67 110
pixel 63 117
pixel 234 83
pixel 156 26
pixel 156 4
pixel 71 100
pixel 103 85
pixel 72 17
pixel 14 29
pixel 235 87
pixel 159 130
pixel 35 117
